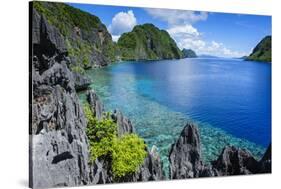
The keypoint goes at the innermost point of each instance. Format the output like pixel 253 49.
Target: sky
pixel 207 33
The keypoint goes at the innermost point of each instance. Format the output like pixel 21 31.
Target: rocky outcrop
pixel 81 82
pixel 233 161
pixel 265 162
pixel 95 104
pixel 185 154
pixel 186 161
pixel 124 125
pixel 59 146
pixel 58 142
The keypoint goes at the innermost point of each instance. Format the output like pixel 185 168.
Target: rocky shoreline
pixel 59 146
pixel 186 160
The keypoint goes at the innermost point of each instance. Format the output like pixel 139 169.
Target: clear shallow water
pixel 230 99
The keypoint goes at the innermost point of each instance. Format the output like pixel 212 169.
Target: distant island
pixel 207 56
pixel 147 42
pixel 188 53
pixel 262 52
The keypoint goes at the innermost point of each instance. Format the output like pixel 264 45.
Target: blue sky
pixel 218 34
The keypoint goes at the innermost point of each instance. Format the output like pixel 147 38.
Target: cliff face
pixel 188 53
pixel 262 52
pixel 186 161
pixel 59 147
pixel 147 42
pixel 86 39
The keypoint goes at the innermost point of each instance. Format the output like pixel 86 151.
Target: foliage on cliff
pixel 147 42
pixel 262 52
pixel 188 53
pixel 126 153
pixel 87 39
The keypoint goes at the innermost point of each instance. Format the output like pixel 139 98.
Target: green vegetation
pixel 89 43
pixel 188 53
pixel 128 155
pixel 125 153
pixel 147 42
pixel 84 34
pixel 262 52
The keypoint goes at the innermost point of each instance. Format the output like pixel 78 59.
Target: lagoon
pixel 229 99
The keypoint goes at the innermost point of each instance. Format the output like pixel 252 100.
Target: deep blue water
pixel 230 99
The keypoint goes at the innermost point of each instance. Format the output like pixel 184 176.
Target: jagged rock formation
pixel 265 162
pixel 233 161
pixel 124 125
pixel 95 104
pixel 186 161
pixel 59 146
pixel 185 154
pixel 147 42
pixel 188 53
pixel 262 52
pixel 81 82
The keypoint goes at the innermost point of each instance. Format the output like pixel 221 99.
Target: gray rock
pixel 95 104
pixel 124 125
pixel 58 141
pixel 235 161
pixel 59 74
pixel 47 43
pixel 186 161
pixel 100 172
pixel 265 162
pixel 81 82
pixel 185 154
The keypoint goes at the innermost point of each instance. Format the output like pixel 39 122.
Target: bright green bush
pixel 129 153
pixel 125 154
pixel 101 134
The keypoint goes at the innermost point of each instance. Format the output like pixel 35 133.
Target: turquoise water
pixel 229 99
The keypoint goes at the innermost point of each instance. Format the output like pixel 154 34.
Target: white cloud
pixel 181 29
pixel 115 37
pixel 122 22
pixel 189 37
pixel 184 30
pixel 175 17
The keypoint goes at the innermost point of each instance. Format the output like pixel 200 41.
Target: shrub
pixel 129 153
pixel 101 134
pixel 125 154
